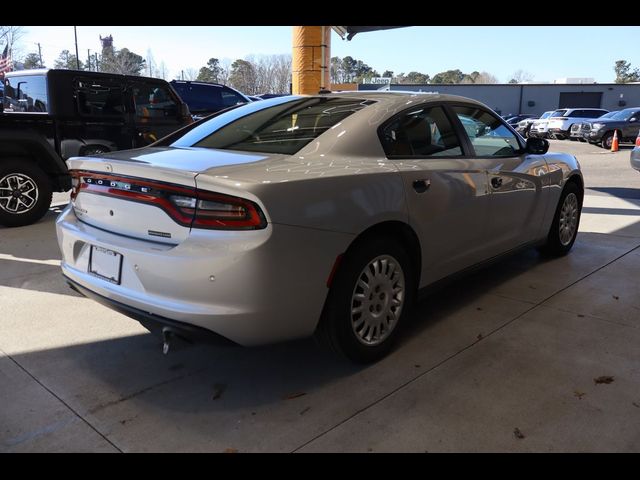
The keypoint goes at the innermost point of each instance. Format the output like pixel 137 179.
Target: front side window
pixel 488 135
pixel 283 128
pixel 153 101
pixel 425 132
pixel 99 99
pixel 26 93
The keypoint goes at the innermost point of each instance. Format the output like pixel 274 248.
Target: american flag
pixel 5 60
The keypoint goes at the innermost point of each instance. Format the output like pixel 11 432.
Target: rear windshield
pixel 283 128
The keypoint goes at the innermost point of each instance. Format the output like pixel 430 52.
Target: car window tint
pixel 26 93
pixel 99 99
pixel 425 132
pixel 488 135
pixel 153 101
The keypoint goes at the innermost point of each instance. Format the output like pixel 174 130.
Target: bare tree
pixel 272 74
pixel 190 73
pixel 163 70
pixel 521 76
pixel 152 69
pixel 10 36
pixel 225 65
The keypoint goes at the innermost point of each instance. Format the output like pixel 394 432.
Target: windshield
pixel 623 115
pixel 546 115
pixel 610 114
pixel 283 128
pixel 558 113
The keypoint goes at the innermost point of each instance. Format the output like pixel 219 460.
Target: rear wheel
pixel 564 228
pixel 370 296
pixel 25 193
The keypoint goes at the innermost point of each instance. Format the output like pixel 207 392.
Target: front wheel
pixel 607 140
pixel 564 228
pixel 370 296
pixel 25 193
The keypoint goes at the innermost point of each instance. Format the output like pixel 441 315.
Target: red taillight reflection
pixel 638 140
pixel 187 206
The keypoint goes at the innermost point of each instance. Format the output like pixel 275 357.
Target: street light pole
pixel 75 34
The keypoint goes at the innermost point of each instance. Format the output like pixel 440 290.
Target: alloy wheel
pixel 568 219
pixel 18 193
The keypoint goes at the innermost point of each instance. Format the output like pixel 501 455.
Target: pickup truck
pixel 48 116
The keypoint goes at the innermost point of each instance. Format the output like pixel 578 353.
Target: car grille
pixel 575 127
pixel 586 127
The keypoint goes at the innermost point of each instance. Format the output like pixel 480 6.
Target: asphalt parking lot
pixel 528 355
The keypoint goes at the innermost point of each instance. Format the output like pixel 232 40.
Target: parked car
pixel 206 98
pixel 524 125
pixel 515 119
pixel 626 122
pixel 635 154
pixel 561 120
pixel 579 129
pixel 320 214
pixel 538 128
pixel 51 115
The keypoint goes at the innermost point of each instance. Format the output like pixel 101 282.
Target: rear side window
pixel 424 132
pixel 488 135
pixel 99 99
pixel 26 93
pixel 154 101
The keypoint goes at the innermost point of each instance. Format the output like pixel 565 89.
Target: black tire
pixel 31 201
pixel 607 140
pixel 555 246
pixel 335 328
pixel 573 139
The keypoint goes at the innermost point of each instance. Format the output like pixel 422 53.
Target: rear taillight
pixel 638 140
pixel 187 206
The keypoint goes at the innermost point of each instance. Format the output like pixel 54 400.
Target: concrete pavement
pixel 528 355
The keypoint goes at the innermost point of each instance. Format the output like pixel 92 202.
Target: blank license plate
pixel 105 264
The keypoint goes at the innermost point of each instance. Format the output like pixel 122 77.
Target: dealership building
pixel 534 98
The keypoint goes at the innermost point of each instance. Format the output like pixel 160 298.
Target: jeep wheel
pixel 25 193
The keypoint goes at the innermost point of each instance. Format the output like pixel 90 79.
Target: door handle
pixel 496 182
pixel 421 186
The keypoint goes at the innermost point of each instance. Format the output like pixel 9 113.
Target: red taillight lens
pixel 187 206
pixel 638 140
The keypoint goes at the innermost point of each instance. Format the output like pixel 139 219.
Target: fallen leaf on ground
pixel 603 379
pixel 616 297
pixel 578 394
pixel 635 404
pixel 518 434
pixel 230 450
pixel 479 337
pixel 479 309
pixel 294 395
pixel 305 410
pixel 417 365
pixel 580 315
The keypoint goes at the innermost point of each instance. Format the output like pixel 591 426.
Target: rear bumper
pixel 251 287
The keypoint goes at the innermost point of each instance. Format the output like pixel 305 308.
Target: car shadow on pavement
pixel 632 193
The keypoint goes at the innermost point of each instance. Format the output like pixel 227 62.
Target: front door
pixel 516 180
pixel 447 192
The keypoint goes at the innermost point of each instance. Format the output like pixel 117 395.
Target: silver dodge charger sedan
pixel 307 215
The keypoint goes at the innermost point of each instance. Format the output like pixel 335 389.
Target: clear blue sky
pixel 546 52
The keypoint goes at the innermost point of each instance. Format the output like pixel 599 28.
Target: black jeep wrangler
pixel 51 115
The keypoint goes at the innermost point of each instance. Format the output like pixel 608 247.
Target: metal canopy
pixel 349 32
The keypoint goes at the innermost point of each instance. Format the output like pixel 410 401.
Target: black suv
pixel 51 115
pixel 626 122
pixel 205 98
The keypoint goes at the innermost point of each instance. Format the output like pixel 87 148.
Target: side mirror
pixel 633 119
pixel 537 146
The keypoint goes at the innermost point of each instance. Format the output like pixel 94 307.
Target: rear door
pixel 157 111
pixel 446 190
pixel 516 180
pixel 100 122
